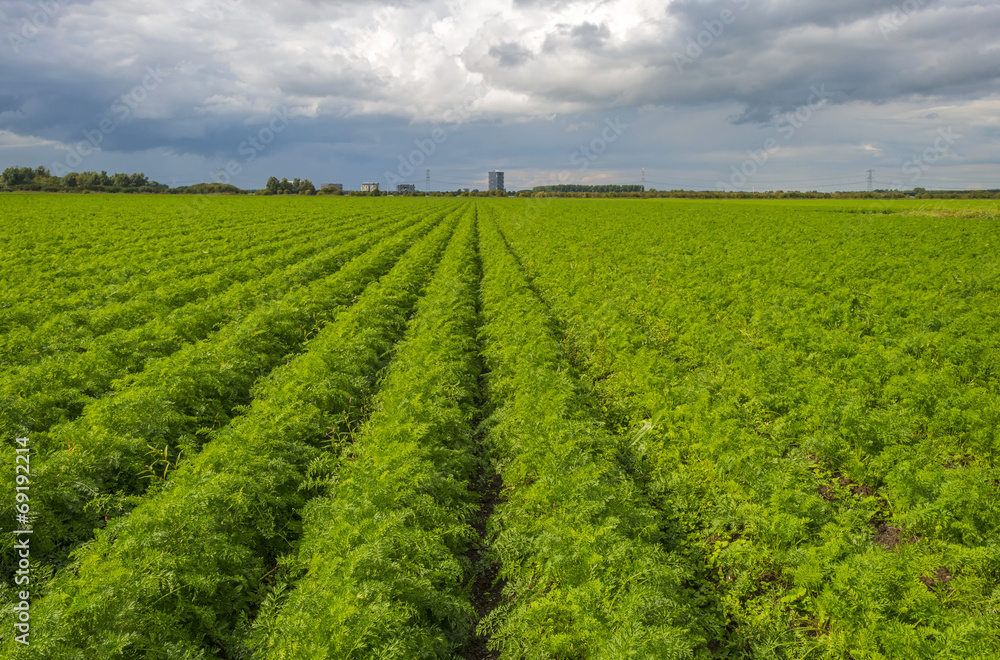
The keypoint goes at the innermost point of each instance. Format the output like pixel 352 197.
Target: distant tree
pixel 40 178
pixel 212 188
pixel 17 176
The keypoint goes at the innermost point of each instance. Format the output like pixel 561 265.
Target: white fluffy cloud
pixel 419 59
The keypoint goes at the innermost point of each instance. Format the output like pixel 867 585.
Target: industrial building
pixel 496 181
pixel 406 187
pixel 370 187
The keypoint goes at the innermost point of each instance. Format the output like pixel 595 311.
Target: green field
pixel 260 427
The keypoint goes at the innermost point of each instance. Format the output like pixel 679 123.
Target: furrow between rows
pixel 384 554
pixel 590 570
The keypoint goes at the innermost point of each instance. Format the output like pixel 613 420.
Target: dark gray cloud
pixel 525 79
pixel 10 103
pixel 589 36
pixel 510 54
pixel 757 16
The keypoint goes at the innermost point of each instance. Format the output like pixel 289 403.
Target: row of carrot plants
pixel 195 271
pixel 383 555
pixel 591 569
pixel 177 576
pixel 127 251
pixel 90 469
pixel 823 433
pixel 134 244
pixel 86 226
pixel 176 284
pixel 58 387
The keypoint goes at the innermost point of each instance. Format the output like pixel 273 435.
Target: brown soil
pixel 486 590
pixel 961 461
pixel 863 490
pixel 767 582
pixel 889 536
pixel 829 493
pixel 941 577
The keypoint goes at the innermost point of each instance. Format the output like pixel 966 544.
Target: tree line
pixel 652 193
pixel 40 179
pixel 577 188
pixel 285 187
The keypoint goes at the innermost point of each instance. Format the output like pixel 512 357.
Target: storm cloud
pixel 509 84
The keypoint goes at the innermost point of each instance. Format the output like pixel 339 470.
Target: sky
pixel 694 94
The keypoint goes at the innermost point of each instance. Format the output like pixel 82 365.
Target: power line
pixel 825 178
pixel 775 183
pixel 475 182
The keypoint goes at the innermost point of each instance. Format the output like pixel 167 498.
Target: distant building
pixel 332 186
pixel 369 187
pixel 406 187
pixel 496 181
